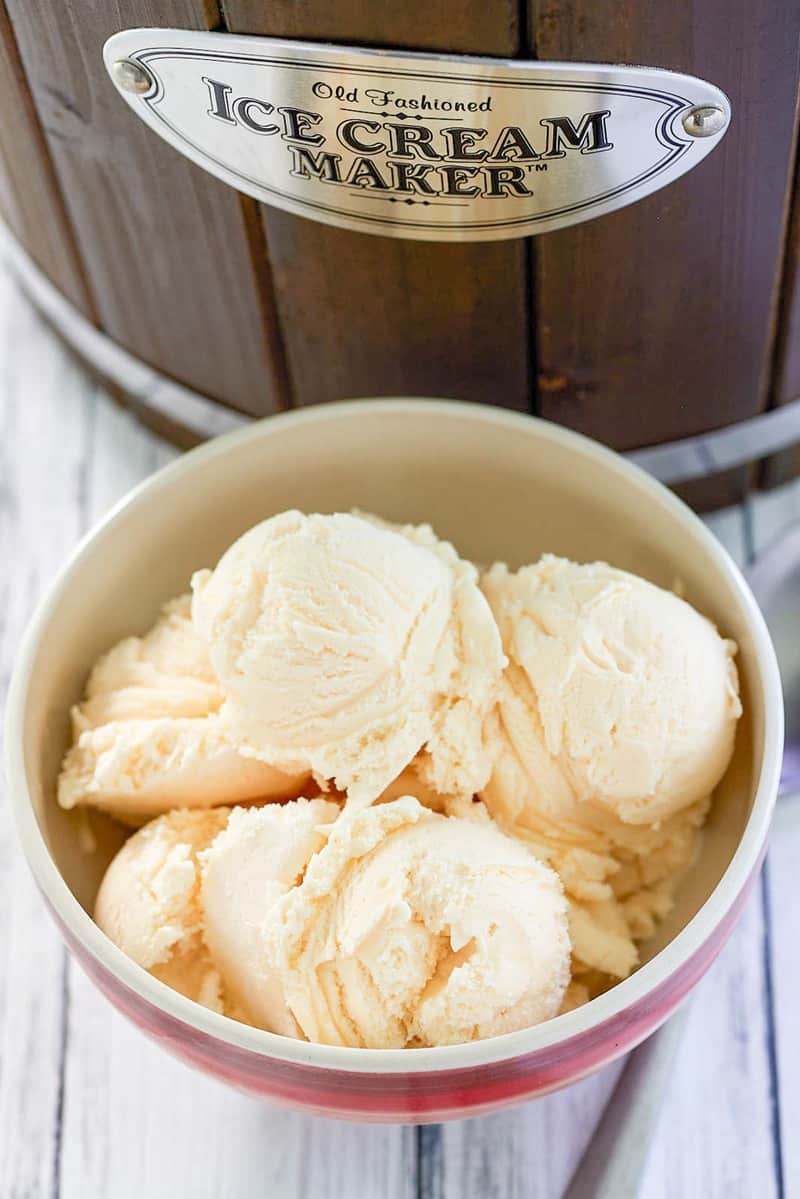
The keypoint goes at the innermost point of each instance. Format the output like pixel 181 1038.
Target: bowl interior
pixel 497 486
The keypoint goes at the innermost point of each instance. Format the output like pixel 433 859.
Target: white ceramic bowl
pixel 501 486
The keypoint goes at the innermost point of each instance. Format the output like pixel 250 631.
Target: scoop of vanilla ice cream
pixel 257 858
pixel 188 894
pixel 347 646
pixel 414 928
pixel 530 795
pixel 149 902
pixel 616 719
pixel 148 736
pixel 630 695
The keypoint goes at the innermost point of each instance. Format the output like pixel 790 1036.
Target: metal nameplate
pixel 417 145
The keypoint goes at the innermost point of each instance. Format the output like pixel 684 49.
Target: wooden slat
pixel 722 1077
pixel 366 315
pixel 656 322
pixel 783 905
pixel 786 379
pixel 717 491
pixel 413 318
pixel 30 200
pixel 771 514
pixel 45 420
pixel 167 249
pixel 528 1151
pixel 469 26
pixel 138 1125
pixel 722 1104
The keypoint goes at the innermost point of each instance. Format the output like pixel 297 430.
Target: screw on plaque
pixel 132 77
pixel 704 120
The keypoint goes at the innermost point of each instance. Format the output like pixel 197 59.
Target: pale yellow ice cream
pixel 617 718
pixel 148 736
pixel 385 927
pixel 149 903
pixel 261 854
pixel 187 896
pixel 517 770
pixel 635 694
pixel 349 647
pixel 412 928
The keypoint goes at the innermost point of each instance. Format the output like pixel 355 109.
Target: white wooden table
pixel 90 1109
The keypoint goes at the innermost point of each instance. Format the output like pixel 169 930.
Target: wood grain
pixel 783 903
pixel 531 1150
pixel 722 1086
pixel 42 458
pixel 656 322
pixel 782 898
pixel 166 247
pixel 202 1139
pixel 30 200
pixel 786 378
pixel 717 491
pixel 470 26
pixel 769 515
pixel 364 315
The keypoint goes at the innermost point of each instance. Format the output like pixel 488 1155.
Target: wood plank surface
pixel 365 315
pixel 45 421
pixel 202 1139
pixel 657 321
pixel 167 248
pixel 769 516
pixel 530 1150
pixel 783 899
pixel 786 377
pixel 30 199
pixel 722 1092
pixel 472 26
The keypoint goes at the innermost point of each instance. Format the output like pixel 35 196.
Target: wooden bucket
pixel 673 317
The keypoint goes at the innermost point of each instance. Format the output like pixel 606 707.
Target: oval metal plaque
pixel 417 145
